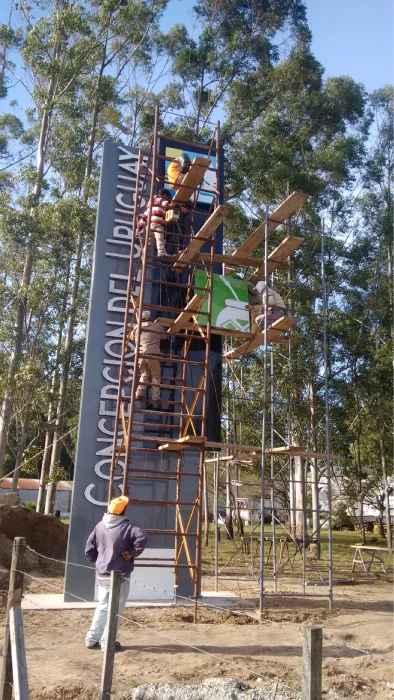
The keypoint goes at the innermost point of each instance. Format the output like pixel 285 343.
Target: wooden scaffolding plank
pixel 293 451
pixel 193 305
pixel 178 445
pixel 282 324
pixel 277 257
pixel 206 230
pixel 226 332
pixel 285 450
pixel 241 260
pixel 192 179
pixel 278 216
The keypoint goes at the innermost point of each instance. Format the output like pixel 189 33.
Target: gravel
pixel 211 689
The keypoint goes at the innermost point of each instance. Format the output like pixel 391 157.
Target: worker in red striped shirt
pixel 160 205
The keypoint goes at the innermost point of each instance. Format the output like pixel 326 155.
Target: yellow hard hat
pixel 117 505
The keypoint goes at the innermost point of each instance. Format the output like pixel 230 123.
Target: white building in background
pixel 250 509
pixel 27 491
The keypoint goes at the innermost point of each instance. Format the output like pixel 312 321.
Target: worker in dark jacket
pixel 113 545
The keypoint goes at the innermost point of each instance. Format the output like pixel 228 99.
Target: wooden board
pixel 291 451
pixel 194 305
pixel 277 257
pixel 192 179
pixel 206 230
pixel 286 450
pixel 278 216
pixel 226 332
pixel 363 546
pixel 282 324
pixel 177 445
pixel 242 261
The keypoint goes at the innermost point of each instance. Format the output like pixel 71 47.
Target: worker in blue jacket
pixel 113 545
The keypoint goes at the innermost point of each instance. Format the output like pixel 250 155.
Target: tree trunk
pixel 361 499
pixel 314 547
pixel 16 354
pixel 299 498
pixel 229 514
pixel 19 454
pixel 386 492
pixel 26 278
pixel 56 447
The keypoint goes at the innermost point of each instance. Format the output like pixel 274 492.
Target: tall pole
pixel 264 423
pixel 272 471
pixel 328 444
pixel 216 509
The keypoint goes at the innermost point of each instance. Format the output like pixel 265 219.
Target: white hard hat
pixel 145 315
pixel 260 286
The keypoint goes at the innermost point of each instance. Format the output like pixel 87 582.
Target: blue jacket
pixel 113 535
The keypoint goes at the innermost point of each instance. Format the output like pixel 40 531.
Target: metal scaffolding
pixel 299 471
pixel 179 425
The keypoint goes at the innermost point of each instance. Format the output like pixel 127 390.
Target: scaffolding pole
pixel 327 402
pixel 264 422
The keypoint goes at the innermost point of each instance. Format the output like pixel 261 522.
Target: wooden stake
pixel 14 598
pixel 312 658
pixel 18 654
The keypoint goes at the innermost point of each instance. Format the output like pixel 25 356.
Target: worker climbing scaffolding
pixel 149 362
pixel 161 204
pixel 176 299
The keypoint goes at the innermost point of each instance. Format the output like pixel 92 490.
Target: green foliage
pixel 30 505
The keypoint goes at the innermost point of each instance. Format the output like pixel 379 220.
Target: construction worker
pixel 254 306
pixel 151 334
pixel 256 298
pixel 160 205
pixel 113 545
pixel 276 305
pixel 177 170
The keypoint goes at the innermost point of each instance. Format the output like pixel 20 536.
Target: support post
pixel 14 598
pixel 216 509
pixel 312 657
pixel 18 654
pixel 326 397
pixel 264 422
pixel 206 508
pixel 112 626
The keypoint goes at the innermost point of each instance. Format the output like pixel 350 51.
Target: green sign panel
pixel 230 296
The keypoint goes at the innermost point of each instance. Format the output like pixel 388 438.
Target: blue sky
pixel 350 37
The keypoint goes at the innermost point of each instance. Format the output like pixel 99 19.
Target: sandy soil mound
pixel 44 533
pixel 31 560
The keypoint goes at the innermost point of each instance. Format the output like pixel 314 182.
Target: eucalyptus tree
pixel 234 38
pixel 93 110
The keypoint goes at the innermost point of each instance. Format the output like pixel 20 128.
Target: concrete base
pixel 54 601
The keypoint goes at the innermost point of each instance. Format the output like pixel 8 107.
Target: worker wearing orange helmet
pixel 177 170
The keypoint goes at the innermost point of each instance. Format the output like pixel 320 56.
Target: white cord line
pixel 207 605
pixel 363 651
pixel 203 651
pixel 171 595
pixel 166 636
pixel 78 629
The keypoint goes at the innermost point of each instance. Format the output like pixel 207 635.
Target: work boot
pixel 118 647
pixel 163 255
pixel 91 644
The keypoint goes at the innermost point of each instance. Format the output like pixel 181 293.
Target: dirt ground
pixel 157 644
